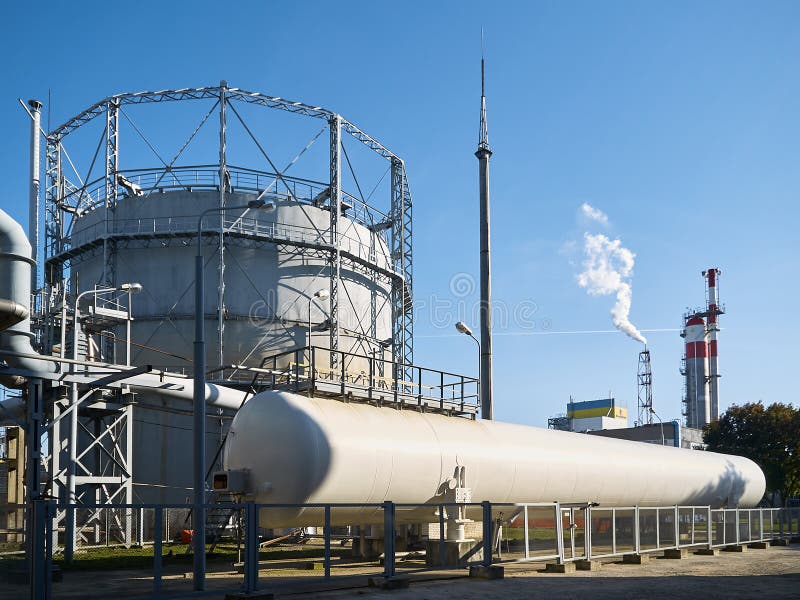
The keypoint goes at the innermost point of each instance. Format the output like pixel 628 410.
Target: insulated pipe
pixel 11 313
pixel 33 198
pixel 314 450
pixel 177 388
pixel 16 266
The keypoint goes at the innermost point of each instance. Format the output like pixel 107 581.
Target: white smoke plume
pixel 607 269
pixel 594 214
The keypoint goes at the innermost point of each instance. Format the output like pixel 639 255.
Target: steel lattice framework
pixel 59 188
pixel 110 434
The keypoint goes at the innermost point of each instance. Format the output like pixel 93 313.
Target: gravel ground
pixel 772 573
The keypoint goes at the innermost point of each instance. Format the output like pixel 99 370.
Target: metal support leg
pixel 41 576
pixel 158 525
pixel 251 547
pixel 487 533
pixel 326 532
pixel 389 536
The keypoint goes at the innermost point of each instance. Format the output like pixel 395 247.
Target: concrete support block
pixel 780 542
pixel 676 553
pixel 397 582
pixel 561 567
pixel 588 565
pixel 707 552
pixel 455 553
pixel 735 548
pixel 251 596
pixel 490 572
pixel 635 559
pixel 759 545
pixel 371 548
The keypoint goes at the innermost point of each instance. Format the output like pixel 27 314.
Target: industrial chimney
pixel 698 407
pixel 713 310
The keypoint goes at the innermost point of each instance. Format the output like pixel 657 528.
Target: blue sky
pixel 678 120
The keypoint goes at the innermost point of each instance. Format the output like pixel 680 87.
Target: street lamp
pixel 131 288
pixel 661 422
pixel 322 294
pixel 199 408
pixel 462 327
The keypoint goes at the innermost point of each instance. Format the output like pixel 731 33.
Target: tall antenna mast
pixel 483 141
pixel 483 153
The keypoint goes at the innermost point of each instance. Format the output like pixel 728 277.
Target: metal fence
pixel 153 539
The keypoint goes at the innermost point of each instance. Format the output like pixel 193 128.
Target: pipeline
pixel 16 337
pixel 15 281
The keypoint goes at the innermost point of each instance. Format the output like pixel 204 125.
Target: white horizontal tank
pixel 311 450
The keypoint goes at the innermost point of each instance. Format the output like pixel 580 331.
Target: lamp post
pixel 199 408
pixel 322 294
pixel 661 423
pixel 462 327
pixel 131 288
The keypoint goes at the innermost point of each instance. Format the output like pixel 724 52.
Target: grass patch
pixel 175 554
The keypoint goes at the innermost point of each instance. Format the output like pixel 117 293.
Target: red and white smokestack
pixel 698 406
pixel 713 327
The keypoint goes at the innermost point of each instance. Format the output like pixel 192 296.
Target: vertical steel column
pixel 40 557
pixel 402 314
pixel 677 527
pixel 484 153
pixel 224 179
pixel 335 127
pixel 33 195
pixel 488 531
pixel 35 523
pixel 251 547
pixel 127 474
pixel 613 531
pixel 53 214
pixel 199 421
pixel 388 539
pixel 326 534
pixel 526 532
pixel 57 484
pixel 111 193
pixel 407 266
pixel 158 536
pixel 713 328
pixel 560 533
pixel 587 533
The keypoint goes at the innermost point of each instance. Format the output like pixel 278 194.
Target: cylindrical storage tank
pixel 311 450
pixel 698 404
pixel 270 273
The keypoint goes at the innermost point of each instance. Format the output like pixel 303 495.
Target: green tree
pixel 768 436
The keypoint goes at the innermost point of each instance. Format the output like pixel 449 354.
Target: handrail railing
pixel 305 369
pixel 206 177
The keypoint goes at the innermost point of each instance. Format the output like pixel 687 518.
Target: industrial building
pixel 591 415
